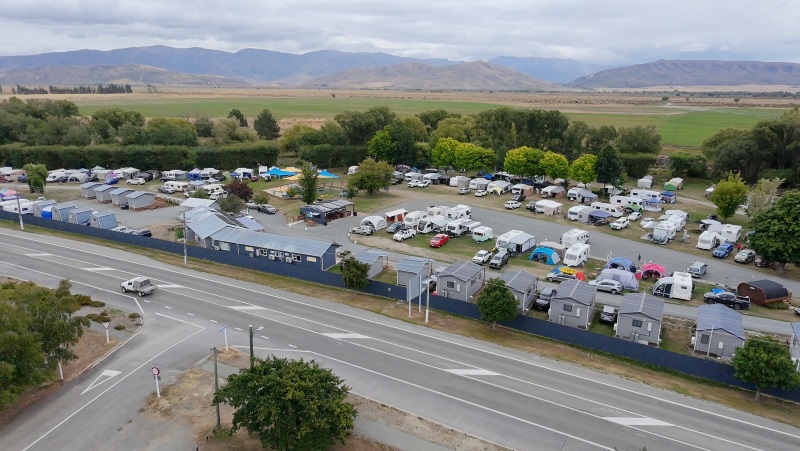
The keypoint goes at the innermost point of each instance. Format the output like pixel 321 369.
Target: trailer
pixel 516 241
pixel 677 286
pixel 482 233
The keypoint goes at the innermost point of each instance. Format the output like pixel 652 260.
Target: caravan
pixel 663 232
pixel 516 241
pixel 458 212
pixel 412 219
pixel 482 233
pixel 576 255
pixel 177 186
pixel 574 236
pixel 645 194
pixel 627 201
pixel 709 240
pixel 432 224
pixel 614 210
pixel 678 286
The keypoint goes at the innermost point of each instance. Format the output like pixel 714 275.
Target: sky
pixel 602 32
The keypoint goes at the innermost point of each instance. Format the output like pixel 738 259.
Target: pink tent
pixel 651 270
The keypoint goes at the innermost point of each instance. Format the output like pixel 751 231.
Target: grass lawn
pixel 598 326
pixel 676 335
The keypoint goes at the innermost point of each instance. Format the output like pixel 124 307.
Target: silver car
pixel 611 286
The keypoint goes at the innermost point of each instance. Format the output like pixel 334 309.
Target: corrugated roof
pixel 577 291
pixel 137 194
pixel 204 222
pixel 717 316
pixel 370 256
pixel 89 185
pixel 411 265
pixel 76 211
pixel 250 224
pixel 193 202
pixel 104 188
pixel 462 270
pixel 518 280
pixel 642 303
pixel 44 203
pixel 103 214
pixel 65 205
pixel 119 191
pixel 283 243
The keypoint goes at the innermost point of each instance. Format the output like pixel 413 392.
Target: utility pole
pixel 428 291
pixel 216 383
pixel 19 209
pixel 185 263
pixel 252 355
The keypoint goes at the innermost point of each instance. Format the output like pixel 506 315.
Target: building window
pixel 451 284
pixel 636 323
pixel 472 282
pixel 296 257
pixel 311 259
pixel 704 339
pixel 567 307
pixel 224 246
pixel 262 252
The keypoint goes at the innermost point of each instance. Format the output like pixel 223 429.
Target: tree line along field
pixel 679 127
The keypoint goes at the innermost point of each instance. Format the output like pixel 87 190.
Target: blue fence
pixel 693 366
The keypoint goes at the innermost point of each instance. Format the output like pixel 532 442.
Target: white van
pixel 412 219
pixel 614 210
pixel 177 186
pixel 677 286
pixel 576 255
pixel 456 226
pixel 26 207
pixel 574 236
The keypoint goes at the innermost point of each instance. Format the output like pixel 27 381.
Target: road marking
pixel 145 300
pixel 168 307
pixel 238 328
pixel 171 286
pixel 638 421
pixel 179 320
pixel 38 255
pixel 345 336
pixel 473 372
pixel 265 338
pixel 107 374
pixel 100 268
pixel 213 321
pixel 293 346
pixel 247 307
pixel 190 314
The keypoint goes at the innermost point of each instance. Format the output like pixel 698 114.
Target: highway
pixel 505 396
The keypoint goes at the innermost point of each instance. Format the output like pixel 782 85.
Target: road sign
pixel 155 371
pixel 106 325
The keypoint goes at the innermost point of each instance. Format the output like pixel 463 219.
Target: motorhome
pixel 432 224
pixel 25 207
pixel 177 186
pixel 577 254
pixel 459 181
pixel 516 241
pixel 677 286
pixel 731 232
pixel 213 189
pixel 663 232
pixel 437 210
pixel 574 236
pixel 412 219
pixel 709 240
pixel 645 194
pixel 352 170
pixel 414 177
pixel 626 201
pixel 55 175
pixel 614 210
pixel 482 233
pixel 459 211
pixel 456 226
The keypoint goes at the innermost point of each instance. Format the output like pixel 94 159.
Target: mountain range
pixel 162 65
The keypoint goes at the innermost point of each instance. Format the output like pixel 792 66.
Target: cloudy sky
pixel 604 31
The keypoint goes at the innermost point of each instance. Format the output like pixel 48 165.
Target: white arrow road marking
pixel 107 374
pixel 345 336
pixel 637 421
pixel 473 372
pixel 99 268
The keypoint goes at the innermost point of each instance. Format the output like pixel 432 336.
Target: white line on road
pixel 265 338
pixel 190 314
pixel 107 374
pixel 238 328
pixel 168 307
pixel 38 255
pixel 179 320
pixel 293 346
pixel 100 268
pixel 145 300
pixel 345 336
pixel 246 307
pixel 641 421
pixel 171 286
pixel 213 321
pixel 473 372
pixel 272 349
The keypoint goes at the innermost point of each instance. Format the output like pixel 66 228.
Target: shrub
pixel 119 327
pixel 97 304
pixel 82 299
pixel 134 315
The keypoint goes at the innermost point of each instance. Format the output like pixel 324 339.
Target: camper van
pixel 26 207
pixel 574 236
pixel 177 186
pixel 663 232
pixel 412 219
pixel 482 233
pixel 625 201
pixel 516 241
pixel 677 286
pixel 214 189
pixel 456 226
pixel 576 255
pixel 645 194
pixel 459 211
pixel 709 240
pixel 432 224
pixel 614 210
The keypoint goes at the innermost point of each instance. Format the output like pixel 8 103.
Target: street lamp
pixel 19 209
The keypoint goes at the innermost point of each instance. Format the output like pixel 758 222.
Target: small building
pixel 194 202
pixel 573 304
pixel 794 347
pixel 645 182
pixel 320 255
pixel 639 319
pixel 38 205
pixel 581 195
pixel 87 190
pixel 378 261
pixel 80 216
pixel 141 199
pixel 103 220
pixel 103 193
pixel 119 196
pixel 719 331
pixel 324 212
pixel 762 292
pixel 516 241
pixel 395 215
pixel 521 188
pixel 522 286
pixel 410 267
pixel 60 211
pixel 460 280
pixel 549 207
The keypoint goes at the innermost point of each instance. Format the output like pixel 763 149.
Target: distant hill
pixel 556 70
pixel 103 74
pixel 466 76
pixel 692 73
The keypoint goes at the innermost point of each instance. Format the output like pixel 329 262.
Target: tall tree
pixel 231 204
pixel 760 196
pixel 381 147
pixel 524 161
pixel 239 189
pixel 599 138
pixel 554 165
pixel 371 176
pixel 470 156
pixel 432 118
pixel 638 139
pixel 608 167
pixel 496 302
pixel 236 114
pixel 773 226
pixel 37 175
pixel 308 183
pixel 583 169
pixel 765 363
pixel 443 154
pixel 266 125
pixel 729 194
pixel 289 404
pixel 204 126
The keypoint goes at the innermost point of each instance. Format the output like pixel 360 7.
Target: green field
pixel 681 128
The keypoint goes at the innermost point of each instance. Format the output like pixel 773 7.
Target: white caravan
pixel 614 210
pixel 677 286
pixel 574 236
pixel 412 219
pixel 432 224
pixel 576 255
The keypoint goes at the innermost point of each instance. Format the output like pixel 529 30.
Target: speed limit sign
pixel 155 371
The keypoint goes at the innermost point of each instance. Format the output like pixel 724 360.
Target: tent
pixel 627 279
pixel 669 197
pixel 8 194
pixel 653 204
pixel 194 174
pixel 376 222
pixel 764 291
pixel 278 172
pixel 545 255
pixel 599 217
pixel 324 174
pixel 651 270
pixel 621 263
pixel 674 184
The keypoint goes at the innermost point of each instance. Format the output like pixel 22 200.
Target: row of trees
pixel 99 89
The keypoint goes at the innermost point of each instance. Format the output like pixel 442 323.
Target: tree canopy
pixel 554 165
pixel 773 225
pixel 496 303
pixel 765 363
pixel 582 169
pixel 37 177
pixel 266 126
pixel 239 117
pixel 608 166
pixel 308 183
pixel 355 273
pixel 729 194
pixel 231 204
pixel 524 161
pixel 289 404
pixel 371 176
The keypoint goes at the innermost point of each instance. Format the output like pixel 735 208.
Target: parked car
pixel 439 239
pixel 723 250
pixel 745 256
pixel 697 269
pixel 267 208
pixel 558 276
pixel 464 191
pixel 518 197
pixel 762 262
pixel 608 285
pixel 500 259
pixel 166 189
pixel 482 257
pixel 363 230
pixel 620 223
pixel 609 314
pixel 4 179
pixel 396 227
pixel 24 179
pixel 543 299
pixel 136 181
pixel 142 232
pixel 111 181
pixel 635 216
pixel 512 205
pixel 796 310
pixel 481 193
pixel 728 299
pixel 404 235
pixel 90 179
pixel 121 229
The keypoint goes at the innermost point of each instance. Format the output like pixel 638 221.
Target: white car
pixel 481 193
pixel 620 223
pixel 464 190
pixel 404 235
pixel 136 181
pixel 482 257
pixel 512 205
pixel 635 216
pixel 413 184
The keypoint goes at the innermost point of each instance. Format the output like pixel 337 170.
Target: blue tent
pixel 669 197
pixel 325 174
pixel 622 263
pixel 278 172
pixel 194 174
pixel 545 254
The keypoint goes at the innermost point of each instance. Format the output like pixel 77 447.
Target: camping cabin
pixel 762 292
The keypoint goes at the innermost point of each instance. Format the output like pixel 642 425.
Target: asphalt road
pixel 516 399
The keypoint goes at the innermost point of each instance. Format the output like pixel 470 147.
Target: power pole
pixel 216 383
pixel 252 355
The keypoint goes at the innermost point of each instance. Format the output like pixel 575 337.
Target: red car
pixel 439 240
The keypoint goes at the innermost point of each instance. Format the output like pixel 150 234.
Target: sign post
pixel 156 372
pixel 106 326
pixel 224 329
